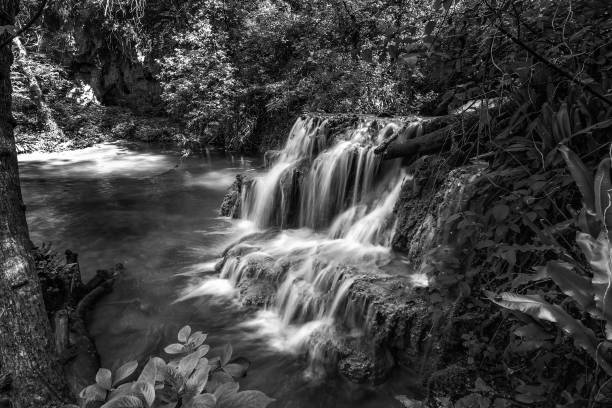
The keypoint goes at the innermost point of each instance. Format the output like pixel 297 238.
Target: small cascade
pixel 313 178
pixel 333 199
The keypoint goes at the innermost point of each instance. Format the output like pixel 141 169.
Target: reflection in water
pixel 158 216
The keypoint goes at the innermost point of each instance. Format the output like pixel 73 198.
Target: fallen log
pixel 432 142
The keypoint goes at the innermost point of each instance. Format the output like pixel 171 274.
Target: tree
pixel 26 349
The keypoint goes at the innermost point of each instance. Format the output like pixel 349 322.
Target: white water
pixel 339 197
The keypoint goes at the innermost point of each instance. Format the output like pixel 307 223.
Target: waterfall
pixel 333 199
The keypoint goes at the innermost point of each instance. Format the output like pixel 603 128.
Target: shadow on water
pixel 157 214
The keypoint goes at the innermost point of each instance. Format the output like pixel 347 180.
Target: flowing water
pixel 157 214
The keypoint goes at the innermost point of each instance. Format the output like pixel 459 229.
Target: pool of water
pixel 157 213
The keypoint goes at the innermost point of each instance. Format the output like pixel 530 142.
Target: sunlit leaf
pixel 93 392
pixel 184 333
pixel 104 378
pixel 537 307
pixel 124 401
pixel 197 339
pixel 152 371
pixel 123 372
pixel 174 348
pixel 577 287
pixel 146 390
pixel 603 189
pixel 188 363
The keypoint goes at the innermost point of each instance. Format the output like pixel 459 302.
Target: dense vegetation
pixel 535 76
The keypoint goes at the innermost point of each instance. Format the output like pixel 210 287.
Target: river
pixel 157 213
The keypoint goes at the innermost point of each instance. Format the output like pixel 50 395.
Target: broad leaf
pixel 246 399
pixel 152 371
pixel 103 378
pixel 202 401
pixel 197 382
pixel 599 254
pixel 225 391
pixel 146 390
pixel 188 363
pixel 123 372
pixel 175 348
pixel 93 392
pixel 124 401
pixel 196 339
pixel 537 307
pixel 581 175
pixel 577 287
pixel 184 333
pixel 238 367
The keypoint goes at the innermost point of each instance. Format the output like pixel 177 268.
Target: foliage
pixel 188 380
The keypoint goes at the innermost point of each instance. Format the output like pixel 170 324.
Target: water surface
pixel 156 213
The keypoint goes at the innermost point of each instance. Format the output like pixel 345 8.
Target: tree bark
pixel 430 143
pixel 26 349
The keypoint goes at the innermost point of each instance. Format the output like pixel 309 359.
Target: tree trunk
pixel 26 350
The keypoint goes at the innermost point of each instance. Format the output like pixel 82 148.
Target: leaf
pixel 103 378
pixel 123 389
pixel 226 355
pixel 93 392
pixel 500 212
pixel 604 394
pixel 197 339
pixel 577 287
pixel 124 372
pixel 184 333
pixel 224 391
pixel 603 187
pixel 174 348
pixel 217 379
pixel 124 401
pixel 147 390
pixel 203 401
pixel 537 307
pixel 238 367
pixel 599 254
pixel 197 382
pixel 246 399
pixel 582 177
pixel 188 363
pixel 152 371
pixel 409 403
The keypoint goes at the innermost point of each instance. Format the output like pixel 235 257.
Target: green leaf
pixel 599 254
pixel 188 363
pixel 536 306
pixel 238 368
pixel 500 212
pixel 225 391
pixel 152 371
pixel 103 378
pixel 577 287
pixel 202 401
pixel 197 382
pixel 581 175
pixel 246 399
pixel 174 348
pixel 124 372
pixel 197 339
pixel 147 390
pixel 93 392
pixel 124 401
pixel 184 333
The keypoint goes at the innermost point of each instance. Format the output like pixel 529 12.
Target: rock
pixel 361 368
pixel 231 205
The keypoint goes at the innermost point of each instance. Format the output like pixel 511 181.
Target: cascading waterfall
pixel 340 197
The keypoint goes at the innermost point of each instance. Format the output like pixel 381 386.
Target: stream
pixel 157 214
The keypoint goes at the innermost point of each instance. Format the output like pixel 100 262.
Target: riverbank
pixel 77 118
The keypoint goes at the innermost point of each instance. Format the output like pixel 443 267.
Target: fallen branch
pixel 430 143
